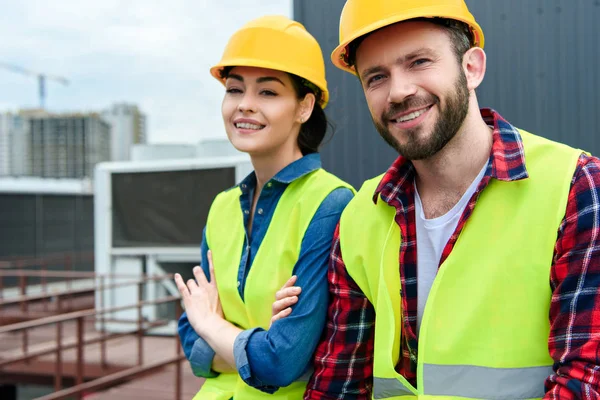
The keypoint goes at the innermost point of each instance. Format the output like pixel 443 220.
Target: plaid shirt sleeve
pixel 574 342
pixel 344 357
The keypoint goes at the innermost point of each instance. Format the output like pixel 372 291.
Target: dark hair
pixel 460 33
pixel 312 132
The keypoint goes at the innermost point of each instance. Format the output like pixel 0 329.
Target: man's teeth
pixel 412 115
pixel 246 125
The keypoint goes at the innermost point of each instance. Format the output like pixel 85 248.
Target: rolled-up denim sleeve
pixel 197 351
pixel 268 360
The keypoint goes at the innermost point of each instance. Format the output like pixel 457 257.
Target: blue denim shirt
pixel 275 358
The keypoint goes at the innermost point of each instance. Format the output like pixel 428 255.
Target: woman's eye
pixel 233 90
pixel 268 93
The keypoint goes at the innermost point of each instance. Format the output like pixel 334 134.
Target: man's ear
pixel 474 65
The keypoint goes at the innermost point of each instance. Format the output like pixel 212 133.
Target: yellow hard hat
pixel 276 42
pixel 360 17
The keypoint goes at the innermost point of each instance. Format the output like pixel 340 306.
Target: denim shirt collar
pixel 291 172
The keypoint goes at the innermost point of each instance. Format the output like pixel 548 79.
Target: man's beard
pixel 447 125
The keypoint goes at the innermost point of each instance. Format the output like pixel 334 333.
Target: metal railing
pixel 59 316
pixel 64 262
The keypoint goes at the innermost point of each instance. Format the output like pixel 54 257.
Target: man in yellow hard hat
pixel 471 268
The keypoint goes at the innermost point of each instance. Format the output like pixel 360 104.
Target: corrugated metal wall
pixel 543 76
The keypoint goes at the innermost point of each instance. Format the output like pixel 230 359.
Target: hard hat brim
pixel 337 56
pixel 249 62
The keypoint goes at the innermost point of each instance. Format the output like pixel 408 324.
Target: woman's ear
pixel 306 107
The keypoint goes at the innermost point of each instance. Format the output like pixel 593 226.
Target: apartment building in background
pixel 39 143
pixel 13 146
pixel 42 144
pixel 128 125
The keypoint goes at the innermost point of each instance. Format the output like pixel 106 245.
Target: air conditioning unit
pixel 148 220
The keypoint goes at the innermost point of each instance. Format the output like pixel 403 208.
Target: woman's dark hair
pixel 312 132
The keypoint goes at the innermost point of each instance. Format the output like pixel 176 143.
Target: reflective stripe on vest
pixel 485 325
pixel 471 381
pixel 272 266
pixel 384 388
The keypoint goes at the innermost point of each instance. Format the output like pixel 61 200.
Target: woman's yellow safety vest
pixel 485 327
pixel 272 267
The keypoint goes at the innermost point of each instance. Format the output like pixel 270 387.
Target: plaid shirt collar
pixel 506 163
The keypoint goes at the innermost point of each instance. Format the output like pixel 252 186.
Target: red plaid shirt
pixel 344 358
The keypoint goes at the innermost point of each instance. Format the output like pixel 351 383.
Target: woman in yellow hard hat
pixel 274 227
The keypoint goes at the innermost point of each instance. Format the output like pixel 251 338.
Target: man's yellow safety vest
pixel 272 267
pixel 485 327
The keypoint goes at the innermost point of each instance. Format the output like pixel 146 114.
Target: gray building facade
pixel 12 144
pixel 542 76
pixel 66 146
pixel 128 128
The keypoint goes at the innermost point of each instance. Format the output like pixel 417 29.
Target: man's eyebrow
pixel 371 70
pixel 423 51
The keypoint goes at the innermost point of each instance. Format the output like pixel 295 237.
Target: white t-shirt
pixel 432 236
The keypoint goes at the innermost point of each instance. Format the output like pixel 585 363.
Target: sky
pixel 153 53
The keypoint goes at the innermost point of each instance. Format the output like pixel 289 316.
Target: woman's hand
pixel 285 298
pixel 201 298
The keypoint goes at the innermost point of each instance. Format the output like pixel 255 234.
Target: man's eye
pixel 420 61
pixel 375 78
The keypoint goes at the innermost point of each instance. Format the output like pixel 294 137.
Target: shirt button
pixel 260 211
pixel 246 212
pixel 269 184
pixel 244 186
pixel 239 283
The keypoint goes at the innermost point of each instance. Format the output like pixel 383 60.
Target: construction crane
pixel 40 76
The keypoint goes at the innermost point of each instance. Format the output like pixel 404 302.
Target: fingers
pixel 287 292
pixel 183 289
pixel 280 315
pixel 193 285
pixel 200 276
pixel 288 289
pixel 290 282
pixel 211 267
pixel 282 304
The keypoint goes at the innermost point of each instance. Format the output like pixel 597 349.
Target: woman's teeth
pixel 246 125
